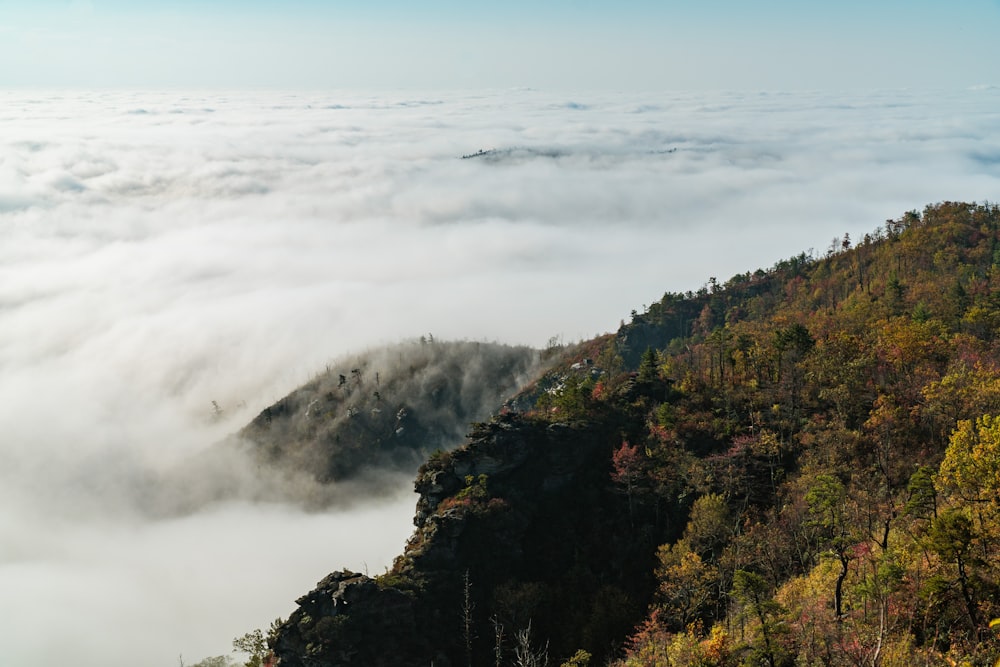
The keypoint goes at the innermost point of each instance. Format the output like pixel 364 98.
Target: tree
pixel 753 592
pixel 467 621
pixel 649 366
pixel 252 643
pixel 971 465
pixel 965 535
pixel 922 496
pixel 827 508
pixel 709 525
pixel 687 584
pixel 255 644
pixel 580 659
pixel 214 661
pixel 497 640
pixel 525 654
pixel 951 537
pixel 627 469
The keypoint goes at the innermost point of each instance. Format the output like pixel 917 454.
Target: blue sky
pixel 567 44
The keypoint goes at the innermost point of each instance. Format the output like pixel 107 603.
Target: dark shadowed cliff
pixel 526 521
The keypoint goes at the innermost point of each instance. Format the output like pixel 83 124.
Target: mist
pixel 161 251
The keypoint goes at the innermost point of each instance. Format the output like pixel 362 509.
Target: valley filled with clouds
pixel 161 251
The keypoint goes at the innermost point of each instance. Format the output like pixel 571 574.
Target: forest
pixel 835 422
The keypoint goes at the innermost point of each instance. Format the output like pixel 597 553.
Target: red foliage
pixel 600 391
pixel 628 465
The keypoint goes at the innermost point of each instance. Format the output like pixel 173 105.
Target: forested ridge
pixel 796 466
pixel 834 423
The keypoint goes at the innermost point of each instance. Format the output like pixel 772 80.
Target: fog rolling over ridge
pixel 357 431
pixel 161 251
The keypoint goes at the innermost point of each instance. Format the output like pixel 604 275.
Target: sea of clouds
pixel 160 251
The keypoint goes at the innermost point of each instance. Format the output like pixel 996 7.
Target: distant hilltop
pixel 480 153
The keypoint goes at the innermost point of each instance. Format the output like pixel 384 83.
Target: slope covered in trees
pixel 798 466
pixel 837 414
pixel 388 408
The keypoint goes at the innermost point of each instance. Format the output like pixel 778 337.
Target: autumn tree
pixel 628 468
pixel 967 533
pixel 686 584
pixel 971 466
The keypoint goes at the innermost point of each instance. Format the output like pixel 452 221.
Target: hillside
pixel 388 408
pixel 796 466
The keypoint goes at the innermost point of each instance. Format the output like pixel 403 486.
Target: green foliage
pixel 439 458
pixel 649 366
pixel 922 496
pixel 709 524
pixel 255 644
pixel 826 501
pixel 795 337
pixel 572 399
pixel 475 488
pixel 252 643
pixel 951 535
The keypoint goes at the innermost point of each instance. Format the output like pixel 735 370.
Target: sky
pixel 447 44
pixel 210 201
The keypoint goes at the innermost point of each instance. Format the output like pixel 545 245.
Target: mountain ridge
pixel 782 460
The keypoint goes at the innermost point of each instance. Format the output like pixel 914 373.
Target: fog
pixel 161 251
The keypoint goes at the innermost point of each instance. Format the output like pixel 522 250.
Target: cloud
pixel 225 246
pixel 138 592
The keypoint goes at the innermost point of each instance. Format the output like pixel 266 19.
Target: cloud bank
pixel 163 251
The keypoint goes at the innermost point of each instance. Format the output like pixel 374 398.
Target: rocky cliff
pixel 520 526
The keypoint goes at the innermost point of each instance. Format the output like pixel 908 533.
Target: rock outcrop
pixel 349 620
pixel 521 525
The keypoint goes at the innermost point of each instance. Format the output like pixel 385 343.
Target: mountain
pixel 354 430
pixel 388 408
pixel 796 466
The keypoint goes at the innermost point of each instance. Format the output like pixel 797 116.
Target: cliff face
pixel 348 619
pixel 522 525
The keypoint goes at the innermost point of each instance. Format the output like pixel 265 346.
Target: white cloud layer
pixel 161 251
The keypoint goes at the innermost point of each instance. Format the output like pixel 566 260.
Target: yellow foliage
pixel 971 465
pixel 898 651
pixel 808 600
pixel 811 592
pixel 963 393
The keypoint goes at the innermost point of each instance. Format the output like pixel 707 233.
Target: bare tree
pixel 525 655
pixel 497 641
pixel 467 608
